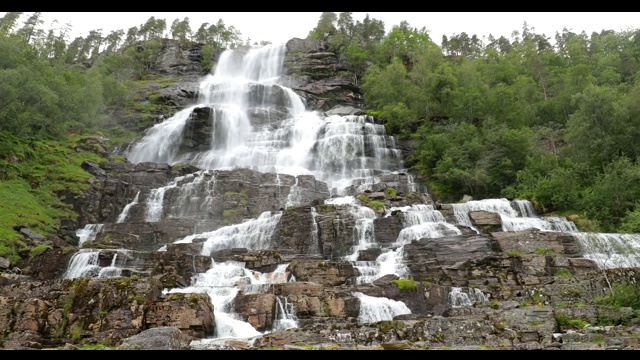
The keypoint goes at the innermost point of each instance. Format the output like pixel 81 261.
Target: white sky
pixel 279 27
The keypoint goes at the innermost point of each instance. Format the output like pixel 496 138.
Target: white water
pixel 512 220
pixel 607 250
pixel 363 237
pixel 459 297
pixel 419 222
pixel 611 250
pixel 125 212
pixel 253 234
pixel 221 284
pixel 259 124
pixel 285 315
pixel 85 263
pixel 89 232
pixel 373 309
pixel 155 200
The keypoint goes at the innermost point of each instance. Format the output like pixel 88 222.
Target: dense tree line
pixel 49 84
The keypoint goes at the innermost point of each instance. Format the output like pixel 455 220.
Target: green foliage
pixel 621 295
pixel 36 177
pixel 207 56
pixel 544 251
pixel 405 284
pixel 390 192
pixel 38 250
pixel 376 205
pixel 564 320
pixel 563 272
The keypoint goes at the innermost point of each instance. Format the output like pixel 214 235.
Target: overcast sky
pixel 279 27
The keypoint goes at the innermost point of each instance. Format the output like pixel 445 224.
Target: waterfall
pixel 512 220
pixel 125 212
pixel 88 233
pixel 363 237
pixel 188 203
pixel 154 209
pixel 254 234
pixel 611 250
pixel 259 124
pixel 373 309
pixel 83 263
pixel 285 315
pixel 86 263
pixel 220 283
pixel 460 297
pixel 315 241
pixel 293 199
pixel 419 221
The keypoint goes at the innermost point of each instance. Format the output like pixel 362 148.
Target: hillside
pixel 261 207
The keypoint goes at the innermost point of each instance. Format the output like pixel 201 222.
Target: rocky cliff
pixel 307 265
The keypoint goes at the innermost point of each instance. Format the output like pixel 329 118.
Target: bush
pixel 390 192
pixel 622 295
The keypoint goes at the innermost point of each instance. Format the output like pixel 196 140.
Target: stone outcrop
pixel 320 77
pixel 490 289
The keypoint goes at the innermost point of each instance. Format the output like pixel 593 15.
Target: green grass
pixel 563 272
pixel 390 192
pixel 376 205
pixel 36 179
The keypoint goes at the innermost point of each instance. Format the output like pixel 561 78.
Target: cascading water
pixel 86 263
pixel 607 250
pixel 515 215
pixel 88 233
pixel 257 123
pixel 125 212
pixel 419 221
pixel 373 309
pixel 363 237
pixel 460 297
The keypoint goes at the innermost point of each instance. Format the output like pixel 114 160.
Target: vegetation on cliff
pixel 519 117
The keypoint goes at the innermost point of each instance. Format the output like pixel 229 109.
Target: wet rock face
pixel 319 77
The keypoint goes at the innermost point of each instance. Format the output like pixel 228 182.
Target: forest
pixel 552 120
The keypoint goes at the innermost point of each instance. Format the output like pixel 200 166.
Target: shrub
pixel 376 205
pixel 390 192
pixel 621 295
pixel 405 284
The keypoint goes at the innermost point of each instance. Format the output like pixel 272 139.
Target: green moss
pixel 388 325
pixel 564 320
pixel 405 284
pixel 39 250
pixel 38 181
pixel 563 272
pixel 544 251
pixel 324 208
pixel 376 205
pixel 229 216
